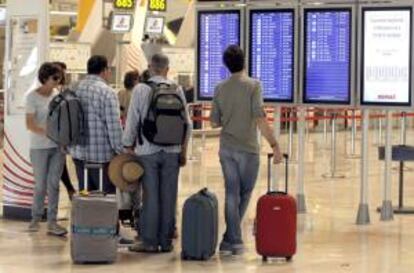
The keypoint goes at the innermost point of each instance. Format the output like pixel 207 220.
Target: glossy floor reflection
pixel 328 239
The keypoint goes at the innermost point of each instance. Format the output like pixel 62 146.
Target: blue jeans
pixel 47 167
pixel 160 185
pixel 240 170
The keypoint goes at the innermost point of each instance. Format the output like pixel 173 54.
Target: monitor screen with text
pixel 216 31
pixel 327 56
pixel 272 52
pixel 386 53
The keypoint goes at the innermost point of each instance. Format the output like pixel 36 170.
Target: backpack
pixel 165 123
pixel 66 120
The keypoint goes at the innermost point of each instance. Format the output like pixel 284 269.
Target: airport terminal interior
pixel 336 78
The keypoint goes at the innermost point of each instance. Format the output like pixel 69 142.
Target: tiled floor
pixel 328 239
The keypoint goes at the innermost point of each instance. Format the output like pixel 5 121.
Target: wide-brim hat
pixel 125 172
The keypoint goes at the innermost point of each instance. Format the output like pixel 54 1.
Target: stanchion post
pixel 380 129
pixel 353 133
pixel 363 210
pixel 203 131
pixel 301 201
pixel 325 127
pixel 333 173
pixel 387 212
pixel 403 129
pixel 191 140
pixel 290 137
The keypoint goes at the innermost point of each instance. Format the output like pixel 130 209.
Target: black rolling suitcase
pixel 200 226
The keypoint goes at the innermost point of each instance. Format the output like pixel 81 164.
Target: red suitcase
pixel 276 221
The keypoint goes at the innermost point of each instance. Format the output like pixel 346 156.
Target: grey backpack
pixel 65 121
pixel 165 123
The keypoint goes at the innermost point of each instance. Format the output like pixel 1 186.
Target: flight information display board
pixel 216 31
pixel 386 56
pixel 327 56
pixel 272 52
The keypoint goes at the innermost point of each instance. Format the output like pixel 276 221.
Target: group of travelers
pixel 113 127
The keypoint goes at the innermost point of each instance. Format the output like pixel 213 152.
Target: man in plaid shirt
pixel 103 128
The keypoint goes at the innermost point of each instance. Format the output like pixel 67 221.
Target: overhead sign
pixel 121 23
pixel 157 5
pixel 386 64
pixel 154 25
pixel 124 4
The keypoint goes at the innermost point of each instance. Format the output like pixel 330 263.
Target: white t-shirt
pixel 39 106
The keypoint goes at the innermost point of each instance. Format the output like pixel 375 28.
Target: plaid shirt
pixel 139 104
pixel 101 108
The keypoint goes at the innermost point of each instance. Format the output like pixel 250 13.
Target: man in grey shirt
pixel 161 166
pixel 238 109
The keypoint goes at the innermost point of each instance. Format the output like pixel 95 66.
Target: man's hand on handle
pixel 277 155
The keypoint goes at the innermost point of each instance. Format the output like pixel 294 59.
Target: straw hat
pixel 125 171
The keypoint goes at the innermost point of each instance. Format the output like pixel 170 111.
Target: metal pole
pixel 290 137
pixel 380 130
pixel 301 201
pixel 403 132
pixel 333 145
pixel 325 127
pixel 387 212
pixel 203 131
pixel 353 133
pixel 363 210
pixel 191 140
pixel 118 59
pixel 333 173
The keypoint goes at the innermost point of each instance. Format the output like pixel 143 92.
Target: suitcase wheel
pixel 264 258
pixel 184 256
pixel 289 258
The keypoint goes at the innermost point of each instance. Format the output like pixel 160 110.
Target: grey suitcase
pixel 200 226
pixel 94 225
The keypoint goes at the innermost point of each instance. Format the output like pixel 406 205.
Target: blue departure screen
pixel 217 30
pixel 272 52
pixel 327 56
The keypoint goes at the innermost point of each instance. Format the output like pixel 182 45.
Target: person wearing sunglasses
pixel 46 156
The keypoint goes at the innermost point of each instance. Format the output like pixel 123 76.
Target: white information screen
pixel 386 64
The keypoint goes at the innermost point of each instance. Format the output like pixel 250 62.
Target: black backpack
pixel 165 123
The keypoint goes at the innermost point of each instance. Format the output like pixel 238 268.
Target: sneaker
pixel 34 226
pixel 56 230
pixel 167 249
pixel 141 247
pixel 237 249
pixel 124 242
pixel 71 194
pixel 225 249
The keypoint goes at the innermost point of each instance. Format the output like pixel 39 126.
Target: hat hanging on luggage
pixel 125 171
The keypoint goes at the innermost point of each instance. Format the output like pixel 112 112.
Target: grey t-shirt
pixel 39 106
pixel 237 104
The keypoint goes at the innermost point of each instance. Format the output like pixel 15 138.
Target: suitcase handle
pixel 269 175
pixel 88 166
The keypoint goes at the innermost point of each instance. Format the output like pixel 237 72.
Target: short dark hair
pixel 146 75
pixel 233 58
pixel 97 64
pixel 62 65
pixel 130 79
pixel 48 70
